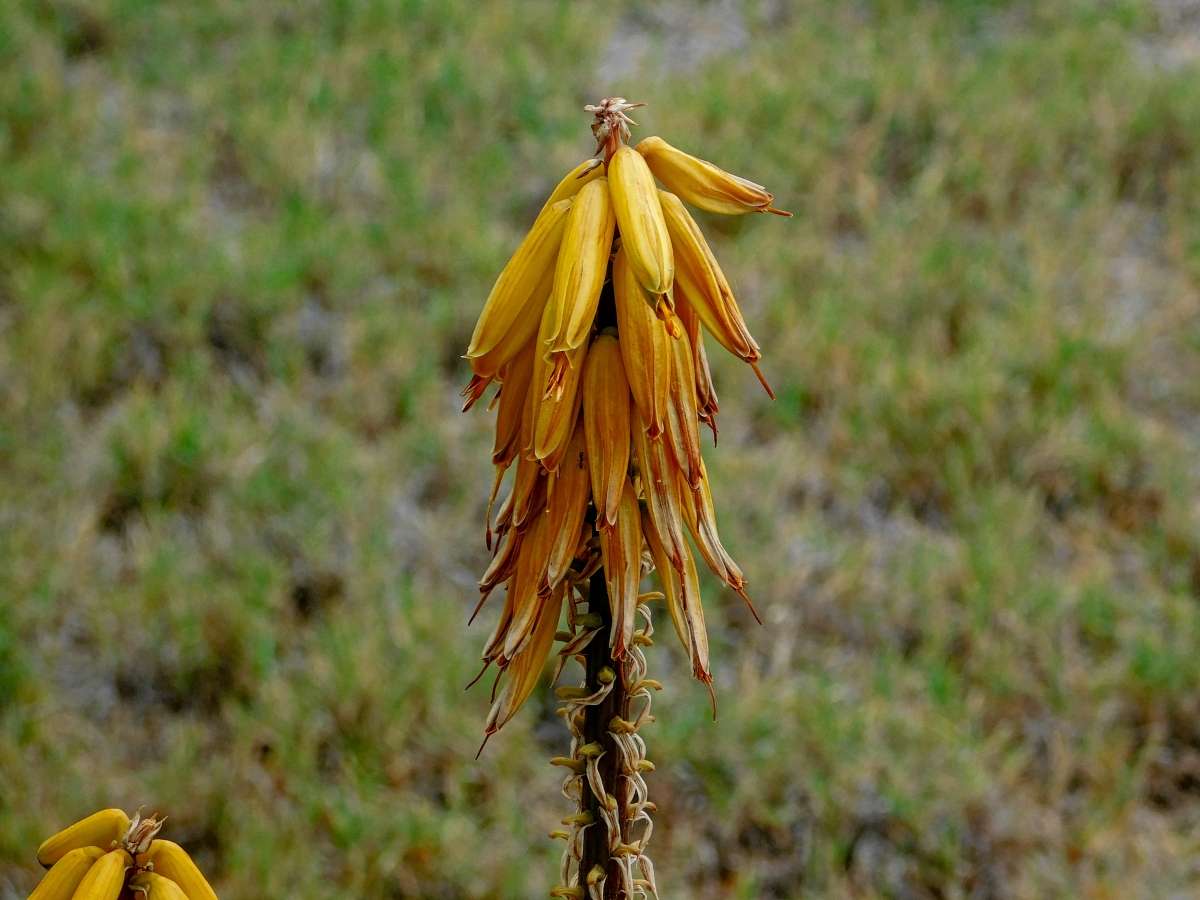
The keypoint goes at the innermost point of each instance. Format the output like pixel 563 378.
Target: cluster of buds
pixel 595 331
pixel 108 855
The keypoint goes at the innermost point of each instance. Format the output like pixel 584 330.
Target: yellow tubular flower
pixel 621 547
pixel 640 218
pixel 582 264
pixel 683 415
pixel 100 829
pixel 694 614
pixel 554 400
pixel 606 404
pixel 574 181
pixel 524 584
pixel 105 878
pixel 661 492
pixel 708 290
pixel 702 184
pixel 513 309
pixel 65 875
pixel 669 576
pixel 706 393
pixel 503 564
pixel 529 487
pixel 701 283
pixel 568 501
pixel 681 588
pixel 171 861
pixel 526 667
pixel 156 887
pixel 645 346
pixel 493 649
pixel 707 539
pixel 514 395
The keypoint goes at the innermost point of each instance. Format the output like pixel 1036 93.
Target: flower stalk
pixel 605 855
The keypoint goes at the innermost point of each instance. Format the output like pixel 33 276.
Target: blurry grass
pixel 242 246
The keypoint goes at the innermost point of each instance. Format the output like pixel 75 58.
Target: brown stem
pixel 595 728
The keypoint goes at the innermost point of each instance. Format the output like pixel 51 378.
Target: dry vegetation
pixel 242 245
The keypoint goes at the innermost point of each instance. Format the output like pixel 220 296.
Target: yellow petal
pixel 171 861
pixel 606 403
pixel 706 288
pixel 640 218
pixel 645 346
pixel 514 396
pixel 702 285
pixel 681 588
pixel 701 183
pixel 694 616
pixel 581 268
pixel 526 667
pixel 683 420
pixel 621 548
pixel 567 500
pixel 105 878
pixel 529 491
pixel 61 882
pixel 587 171
pixel 556 399
pixel 701 520
pixel 513 310
pixel 99 829
pixel 669 576
pixel 504 563
pixel 661 491
pixel 531 568
pixel 706 392
pixel 157 887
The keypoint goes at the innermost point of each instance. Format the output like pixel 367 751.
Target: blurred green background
pixel 242 247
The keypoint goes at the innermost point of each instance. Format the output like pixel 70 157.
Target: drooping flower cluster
pixel 107 855
pixel 595 331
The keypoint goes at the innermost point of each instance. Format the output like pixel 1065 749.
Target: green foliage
pixel 242 247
